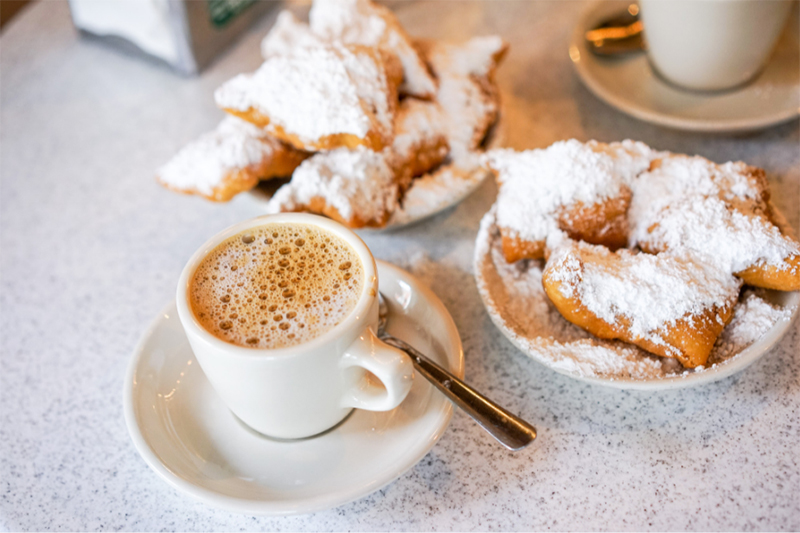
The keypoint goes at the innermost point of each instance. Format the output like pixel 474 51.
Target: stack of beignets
pixel 359 109
pixel 647 247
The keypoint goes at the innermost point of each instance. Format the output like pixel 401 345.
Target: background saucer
pixel 629 84
pixel 188 437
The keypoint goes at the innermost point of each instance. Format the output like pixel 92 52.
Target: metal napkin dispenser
pixel 185 34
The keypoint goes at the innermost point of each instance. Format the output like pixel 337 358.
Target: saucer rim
pixel 646 114
pixel 733 365
pixel 308 505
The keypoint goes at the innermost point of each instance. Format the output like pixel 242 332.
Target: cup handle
pixel 391 366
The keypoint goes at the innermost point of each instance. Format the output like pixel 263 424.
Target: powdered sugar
pixel 353 183
pixel 288 35
pixel 366 23
pixel 316 92
pixel 692 206
pixel 351 21
pixel 468 113
pixel 536 184
pixel 466 93
pixel 728 239
pixel 517 303
pixel 463 112
pixel 203 165
pixel 679 176
pixel 752 319
pixel 628 158
pixel 477 57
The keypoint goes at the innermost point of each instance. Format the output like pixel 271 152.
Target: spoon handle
pixel 510 430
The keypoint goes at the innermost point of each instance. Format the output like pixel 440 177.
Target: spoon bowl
pixel 620 34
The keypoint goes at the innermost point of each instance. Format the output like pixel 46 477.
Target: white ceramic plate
pixel 629 84
pixel 563 350
pixel 187 435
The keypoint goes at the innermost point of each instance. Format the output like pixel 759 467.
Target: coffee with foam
pixel 276 285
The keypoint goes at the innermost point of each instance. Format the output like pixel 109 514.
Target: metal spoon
pixel 618 35
pixel 510 430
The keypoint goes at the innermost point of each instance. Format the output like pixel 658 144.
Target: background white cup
pixel 711 44
pixel 302 390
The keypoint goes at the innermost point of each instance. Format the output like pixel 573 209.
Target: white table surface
pixel 91 248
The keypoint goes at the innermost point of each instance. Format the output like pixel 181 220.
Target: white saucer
pixel 546 337
pixel 629 84
pixel 184 432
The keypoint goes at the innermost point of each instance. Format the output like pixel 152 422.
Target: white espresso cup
pixel 711 44
pixel 301 390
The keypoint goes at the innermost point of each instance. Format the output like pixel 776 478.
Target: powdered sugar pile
pixel 536 184
pixel 351 21
pixel 752 318
pixel 476 57
pixel 468 108
pixel 360 183
pixel 689 204
pixel 204 164
pixel 678 176
pixel 287 35
pixel 517 303
pixel 730 240
pixel 315 92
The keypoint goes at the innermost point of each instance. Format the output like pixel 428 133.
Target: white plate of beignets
pixel 434 155
pixel 382 131
pixel 690 298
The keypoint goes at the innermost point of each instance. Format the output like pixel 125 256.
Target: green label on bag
pixel 223 11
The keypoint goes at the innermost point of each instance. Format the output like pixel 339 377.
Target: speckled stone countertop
pixel 92 248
